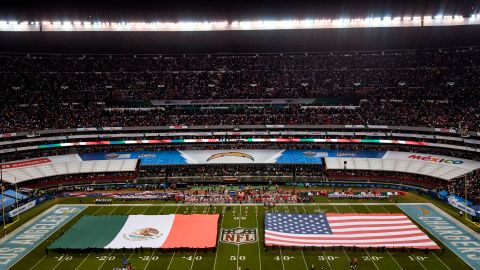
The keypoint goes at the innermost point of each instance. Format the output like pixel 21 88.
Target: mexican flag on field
pixel 141 231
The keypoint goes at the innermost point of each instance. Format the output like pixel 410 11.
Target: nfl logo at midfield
pixel 238 236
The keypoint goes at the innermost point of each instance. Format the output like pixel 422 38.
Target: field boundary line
pixel 233 204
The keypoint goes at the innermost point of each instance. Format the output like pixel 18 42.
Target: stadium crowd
pixel 472 189
pixel 435 88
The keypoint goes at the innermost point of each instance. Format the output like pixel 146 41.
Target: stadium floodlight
pixel 407 18
pixel 57 23
pixel 67 23
pixel 387 18
pixel 77 23
pixel 458 17
pixel 397 18
pixel 437 17
pixel 87 23
pixel 12 22
pixel 417 18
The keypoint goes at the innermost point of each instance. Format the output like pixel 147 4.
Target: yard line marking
pixel 238 246
pixel 364 249
pixel 145 210
pixel 150 258
pixel 305 261
pixel 258 238
pixel 396 262
pixel 384 208
pixel 218 241
pixel 129 210
pixel 328 263
pixel 87 254
pixel 195 254
pixel 415 257
pixel 440 260
pixel 114 209
pixel 281 256
pixel 171 261
pixel 344 251
pixel 83 260
pixel 161 209
pixel 97 210
pixel 43 258
pixel 193 260
pixel 105 260
pixel 323 250
pixel 301 251
pixel 393 259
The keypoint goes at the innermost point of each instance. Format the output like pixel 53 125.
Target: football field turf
pixel 246 256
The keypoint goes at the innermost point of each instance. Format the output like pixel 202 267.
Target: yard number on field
pixel 149 258
pixel 285 258
pixel 64 258
pixel 418 258
pixel 327 258
pixel 240 258
pixel 106 258
pixel 196 258
pixel 371 258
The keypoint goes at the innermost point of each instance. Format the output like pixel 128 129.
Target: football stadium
pixel 240 136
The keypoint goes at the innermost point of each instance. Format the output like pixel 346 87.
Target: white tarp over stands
pixel 442 167
pixel 21 174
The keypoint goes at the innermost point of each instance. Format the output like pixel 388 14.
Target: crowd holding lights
pixel 386 21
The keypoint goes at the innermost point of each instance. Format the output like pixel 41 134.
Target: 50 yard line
pixel 218 241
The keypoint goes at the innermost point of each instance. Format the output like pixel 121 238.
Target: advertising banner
pixel 459 203
pixel 434 159
pixel 231 101
pixel 22 208
pixel 40 161
pixel 228 156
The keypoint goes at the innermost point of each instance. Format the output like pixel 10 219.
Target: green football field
pixel 246 256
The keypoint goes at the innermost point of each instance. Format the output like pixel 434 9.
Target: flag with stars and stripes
pixel 360 230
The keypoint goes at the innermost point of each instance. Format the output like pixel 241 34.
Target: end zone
pixel 457 237
pixel 27 237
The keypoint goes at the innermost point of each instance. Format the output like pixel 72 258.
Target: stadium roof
pixel 230 10
pixel 312 26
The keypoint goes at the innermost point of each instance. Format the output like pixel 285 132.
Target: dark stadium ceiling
pixel 228 10
pixel 303 40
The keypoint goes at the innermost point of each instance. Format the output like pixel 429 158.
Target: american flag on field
pixel 361 230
